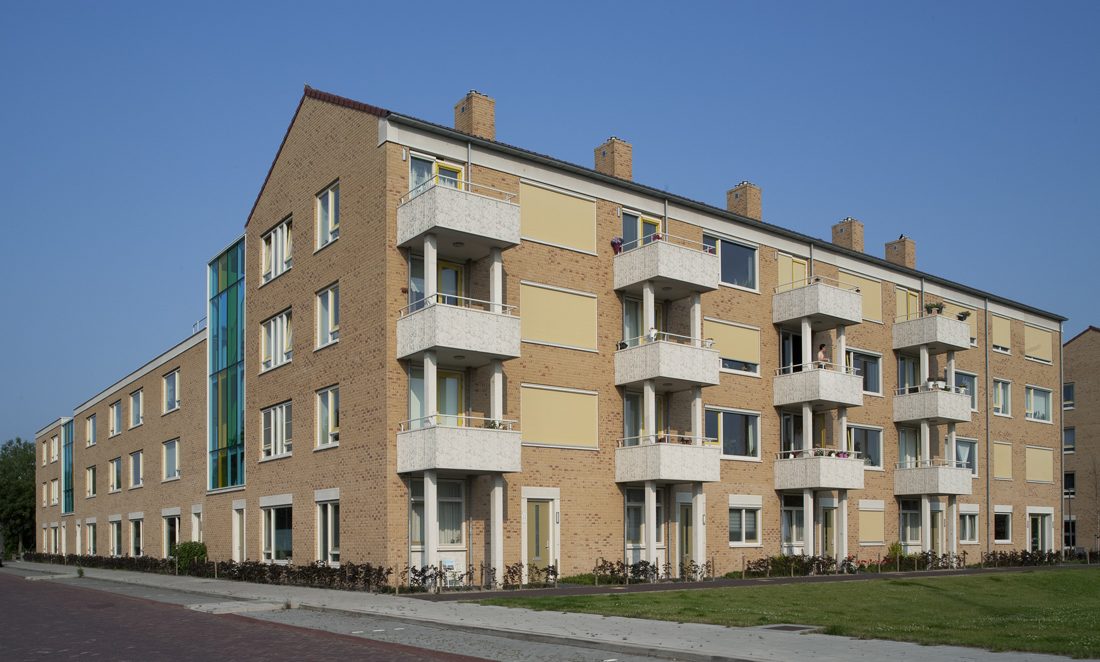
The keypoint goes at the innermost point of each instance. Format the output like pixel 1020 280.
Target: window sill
pixel 273 278
pixel 1007 480
pixel 173 409
pixel 742 373
pixel 742 288
pixel 324 245
pixel 276 367
pixel 1002 415
pixel 225 490
pixel 328 344
pixel 744 545
pixel 1038 420
pixel 1069 452
pixel 873 468
pixel 137 487
pixel 1002 542
pixel 272 458
pixel 325 447
pixel 114 491
pixel 1006 352
pixel 134 427
pixel 113 435
pixel 89 444
pixel 89 496
pixel 740 458
pixel 872 544
pixel 873 394
pixel 1035 360
pixel 170 480
pixel 968 542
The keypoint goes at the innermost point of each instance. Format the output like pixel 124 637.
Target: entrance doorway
pixel 687 553
pixel 539 541
pixel 828 531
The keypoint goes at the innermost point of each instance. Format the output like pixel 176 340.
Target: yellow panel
pixel 1002 332
pixel 556 218
pixel 784 272
pixel 557 317
pixel 1038 344
pixel 1039 465
pixel 871 291
pixel 872 526
pixel 1002 460
pixel 561 418
pixel 792 272
pixel 953 310
pixel 907 304
pixel 734 342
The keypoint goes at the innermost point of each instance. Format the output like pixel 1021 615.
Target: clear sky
pixel 135 136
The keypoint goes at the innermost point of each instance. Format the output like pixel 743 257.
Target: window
pixel 171 535
pixel 277 251
pixel 171 391
pixel 743 525
pixel 1002 334
pixel 135 469
pixel 968 528
pixel 869 366
pixel 328 416
pixel 278 534
pixel 1069 531
pixel 116 418
pixel 966 454
pixel 89 430
pixel 451 512
pixel 423 171
pixel 45 452
pixel 738 262
pixel 908 375
pixel 739 433
pixel 1069 484
pixel 737 345
pixel 544 309
pixel 638 230
pixel 910 522
pixel 1069 440
pixel 328 532
pixel 328 216
pixel 1002 397
pixel 792 521
pixel 53 448
pixel 90 539
pixel 171 459
pixel 136 546
pixel 277 430
pixel 1038 344
pixel 116 538
pixel 277 341
pixel 1068 393
pixel 53 492
pixel 416 512
pixel 555 218
pixel 196 526
pixel 89 481
pixel 1038 404
pixel 137 408
pixel 635 515
pixel 115 482
pixel 328 316
pixel 868 443
pixel 1002 460
pixel 45 494
pixel 969 384
pixel 1002 528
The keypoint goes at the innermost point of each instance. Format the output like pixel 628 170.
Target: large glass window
pixel 1002 397
pixel 739 433
pixel 966 454
pixel 968 527
pixel 135 469
pixel 277 251
pixel 277 341
pixel 328 416
pixel 328 537
pixel 910 522
pixel 171 391
pixel 171 459
pixel 1002 527
pixel 451 512
pixel 328 215
pixel 278 533
pixel 635 515
pixel 908 375
pixel 1038 404
pixel 738 261
pixel 743 528
pixel 793 531
pixel 328 315
pixel 868 443
pixel 225 369
pixel 1069 484
pixel 1069 531
pixel 1069 440
pixel 868 366
pixel 137 409
pixel 969 384
pixel 277 425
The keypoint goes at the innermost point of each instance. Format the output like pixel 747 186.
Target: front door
pixel 1037 525
pixel 539 549
pixel 686 531
pixel 828 531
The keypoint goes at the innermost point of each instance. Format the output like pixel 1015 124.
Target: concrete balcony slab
pixel 939 332
pixel 674 366
pixel 466 450
pixel 827 306
pixel 910 481
pixel 668 463
pixel 677 270
pixel 467 222
pixel 936 406
pixel 818 473
pixel 460 335
pixel 824 389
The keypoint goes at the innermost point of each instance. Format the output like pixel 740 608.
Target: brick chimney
pixel 849 234
pixel 902 252
pixel 615 157
pixel 475 114
pixel 744 199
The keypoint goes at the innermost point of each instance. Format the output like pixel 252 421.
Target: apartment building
pixel 488 355
pixel 1081 442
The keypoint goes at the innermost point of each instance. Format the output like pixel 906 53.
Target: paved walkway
pixel 687 641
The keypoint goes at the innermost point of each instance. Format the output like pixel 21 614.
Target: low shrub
pixel 1020 557
pixel 188 554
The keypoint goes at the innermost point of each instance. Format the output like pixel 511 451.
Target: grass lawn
pixel 1048 611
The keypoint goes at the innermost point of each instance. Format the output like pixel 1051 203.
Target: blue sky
pixel 136 136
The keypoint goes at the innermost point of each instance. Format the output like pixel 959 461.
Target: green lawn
pixel 1049 611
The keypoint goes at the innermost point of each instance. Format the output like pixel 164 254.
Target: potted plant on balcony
pixel 933 308
pixel 963 315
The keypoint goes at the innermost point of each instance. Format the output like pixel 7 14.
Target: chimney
pixel 615 157
pixel 849 234
pixel 744 199
pixel 902 252
pixel 475 114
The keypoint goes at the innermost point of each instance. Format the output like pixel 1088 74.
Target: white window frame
pixel 55 445
pixel 745 412
pixel 719 238
pixel 89 481
pixel 330 437
pixel 276 431
pixel 850 362
pixel 277 341
pixel 1071 449
pixel 328 230
pixel 743 542
pixel 45 494
pixel 974 395
pixel 115 424
pixel 881 445
pixel 174 378
pixel 965 440
pixel 55 491
pixel 962 529
pixel 115 547
pixel 277 251
pixel 90 535
pixel 175 445
pixel 114 479
pixel 45 452
pixel 327 513
pixel 268 529
pixel 1069 492
pixel 461 499
pixel 139 466
pixel 1007 409
pixel 196 526
pixel 998 348
pixel 137 396
pixel 328 325
pixel 89 431
pixel 164 535
pixel 903 516
pixel 1070 402
pixel 137 542
pixel 1029 396
pixel 1002 541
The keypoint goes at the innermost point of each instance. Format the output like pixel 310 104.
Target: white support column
pixel 924 365
pixel 699 523
pixel 951 450
pixel 496 391
pixel 808 520
pixel 651 521
pixel 953 524
pixel 841 357
pixel 431 387
pixel 431 268
pixel 842 416
pixel 807 426
pixel 842 524
pixel 431 520
pixel 496 535
pixel 649 309
pixel 698 415
pixel 807 342
pixel 696 317
pixel 496 280
pixel 950 376
pixel 925 443
pixel 925 523
pixel 649 412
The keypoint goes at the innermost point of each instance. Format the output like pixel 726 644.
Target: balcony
pixel 468 219
pixel 463 332
pixel 678 267
pixel 939 332
pixel 819 469
pixel 826 302
pixel 932 477
pixel 667 459
pixel 934 402
pixel 675 363
pixel 459 444
pixel 824 385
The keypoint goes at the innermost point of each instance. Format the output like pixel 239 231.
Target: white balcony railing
pixel 458 302
pixel 931 386
pixel 816 365
pixel 479 330
pixel 456 421
pixel 667 438
pixel 818 452
pixel 663 336
pixel 819 468
pixel 934 462
pixel 662 237
pixel 820 383
pixel 815 280
pixel 464 185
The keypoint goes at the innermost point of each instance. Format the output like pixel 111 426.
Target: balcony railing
pixel 663 336
pixel 818 452
pixel 667 438
pixel 932 385
pixel 934 462
pixel 457 421
pixel 464 185
pixel 626 247
pixel 828 281
pixel 457 302
pixel 816 365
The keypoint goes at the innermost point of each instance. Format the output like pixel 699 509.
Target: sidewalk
pixel 625 635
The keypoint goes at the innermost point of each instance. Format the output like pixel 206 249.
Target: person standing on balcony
pixel 822 359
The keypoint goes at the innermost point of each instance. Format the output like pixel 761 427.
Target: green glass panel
pixel 231 355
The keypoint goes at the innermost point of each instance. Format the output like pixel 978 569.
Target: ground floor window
pixel 196 527
pixel 1069 532
pixel 968 527
pixel 743 525
pixel 278 533
pixel 792 520
pixel 451 512
pixel 55 538
pixel 136 546
pixel 910 522
pixel 1002 528
pixel 328 528
pixel 171 535
pixel 634 515
pixel 89 539
pixel 116 538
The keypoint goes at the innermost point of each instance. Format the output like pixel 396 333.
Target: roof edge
pixel 58 421
pixel 1090 327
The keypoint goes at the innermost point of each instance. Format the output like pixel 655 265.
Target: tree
pixel 17 494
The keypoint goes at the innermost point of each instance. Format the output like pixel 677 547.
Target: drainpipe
pixel 988 449
pixel 469 162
